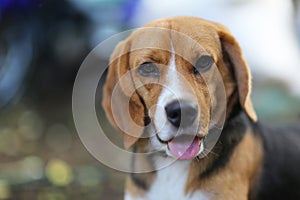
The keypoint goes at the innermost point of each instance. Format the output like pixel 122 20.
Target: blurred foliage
pixel 274 102
pixel 51 163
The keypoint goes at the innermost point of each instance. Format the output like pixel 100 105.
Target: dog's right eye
pixel 203 64
pixel 148 69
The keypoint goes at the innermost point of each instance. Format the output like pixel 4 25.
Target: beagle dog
pixel 186 88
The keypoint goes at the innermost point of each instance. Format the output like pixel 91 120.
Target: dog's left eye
pixel 203 64
pixel 148 69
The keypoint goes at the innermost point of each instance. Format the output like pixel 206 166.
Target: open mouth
pixel 184 147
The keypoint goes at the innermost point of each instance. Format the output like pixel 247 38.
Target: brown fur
pixel 235 179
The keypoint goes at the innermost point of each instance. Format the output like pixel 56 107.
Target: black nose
pixel 181 113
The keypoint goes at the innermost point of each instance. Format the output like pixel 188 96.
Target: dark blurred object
pixel 16 47
pixel 42 42
pixel 42 45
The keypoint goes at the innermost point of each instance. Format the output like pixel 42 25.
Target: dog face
pixel 177 74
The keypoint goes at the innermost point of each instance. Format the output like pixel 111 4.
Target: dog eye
pixel 203 64
pixel 148 69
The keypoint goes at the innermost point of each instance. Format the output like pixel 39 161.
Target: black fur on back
pixel 280 176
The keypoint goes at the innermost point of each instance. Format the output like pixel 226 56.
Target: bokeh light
pixel 59 172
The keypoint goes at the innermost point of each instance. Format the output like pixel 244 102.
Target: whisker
pixel 205 153
pixel 212 152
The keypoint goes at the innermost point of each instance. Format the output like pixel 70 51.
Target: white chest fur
pixel 170 184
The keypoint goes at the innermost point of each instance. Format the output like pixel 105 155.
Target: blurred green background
pixel 42 45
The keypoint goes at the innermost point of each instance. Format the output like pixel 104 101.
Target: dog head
pixel 165 79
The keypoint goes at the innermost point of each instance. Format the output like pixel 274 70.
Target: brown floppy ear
pixel 241 70
pixel 117 101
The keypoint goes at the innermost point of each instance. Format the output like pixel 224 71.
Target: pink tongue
pixel 184 149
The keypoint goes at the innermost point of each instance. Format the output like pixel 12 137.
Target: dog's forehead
pixel 151 38
pixel 178 35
